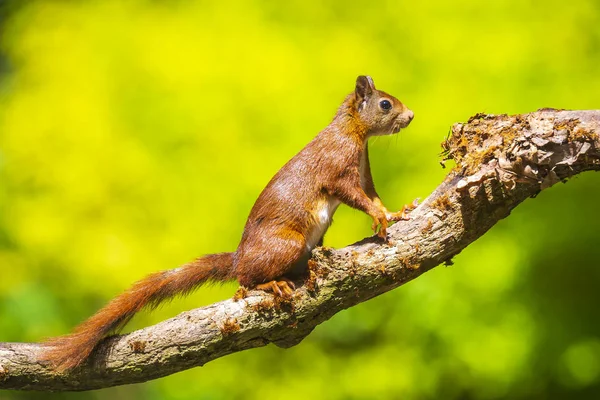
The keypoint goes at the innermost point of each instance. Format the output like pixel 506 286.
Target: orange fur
pixel 66 352
pixel 288 220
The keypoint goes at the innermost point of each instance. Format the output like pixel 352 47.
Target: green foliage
pixel 136 135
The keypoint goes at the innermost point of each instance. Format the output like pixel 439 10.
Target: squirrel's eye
pixel 385 104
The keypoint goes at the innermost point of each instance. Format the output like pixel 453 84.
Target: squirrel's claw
pixel 402 215
pixel 289 282
pixel 382 224
pixel 282 288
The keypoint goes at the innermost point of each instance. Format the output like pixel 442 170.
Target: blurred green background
pixel 136 135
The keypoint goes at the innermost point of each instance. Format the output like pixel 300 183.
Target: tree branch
pixel 500 161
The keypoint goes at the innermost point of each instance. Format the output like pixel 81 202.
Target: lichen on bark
pixel 500 162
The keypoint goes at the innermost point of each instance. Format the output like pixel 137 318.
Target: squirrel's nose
pixel 410 115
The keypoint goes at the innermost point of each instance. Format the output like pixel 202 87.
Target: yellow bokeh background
pixel 136 135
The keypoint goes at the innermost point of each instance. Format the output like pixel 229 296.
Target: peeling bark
pixel 500 161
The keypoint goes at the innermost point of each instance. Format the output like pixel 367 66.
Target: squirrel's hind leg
pixel 269 271
pixel 282 287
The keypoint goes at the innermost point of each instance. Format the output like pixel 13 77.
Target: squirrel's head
pixel 381 113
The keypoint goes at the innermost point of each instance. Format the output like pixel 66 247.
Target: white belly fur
pixel 322 214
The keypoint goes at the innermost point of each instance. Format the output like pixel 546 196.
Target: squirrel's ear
pixel 364 88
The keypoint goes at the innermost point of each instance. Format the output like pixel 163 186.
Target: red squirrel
pixel 288 220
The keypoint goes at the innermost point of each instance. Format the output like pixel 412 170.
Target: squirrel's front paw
pixel 402 215
pixel 382 224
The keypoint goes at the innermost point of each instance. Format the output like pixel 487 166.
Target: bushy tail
pixel 66 352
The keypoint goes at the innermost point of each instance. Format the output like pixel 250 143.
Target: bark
pixel 500 161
